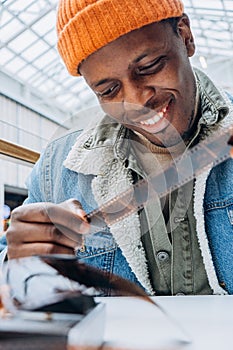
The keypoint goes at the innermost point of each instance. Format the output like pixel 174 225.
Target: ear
pixel 184 31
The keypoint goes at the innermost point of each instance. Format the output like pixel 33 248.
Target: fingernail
pixel 230 142
pixel 87 218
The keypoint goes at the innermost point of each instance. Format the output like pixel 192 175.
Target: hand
pixel 231 143
pixel 46 228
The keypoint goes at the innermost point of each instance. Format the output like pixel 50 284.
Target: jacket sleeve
pixel 35 182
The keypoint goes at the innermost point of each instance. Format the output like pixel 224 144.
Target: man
pixel 135 57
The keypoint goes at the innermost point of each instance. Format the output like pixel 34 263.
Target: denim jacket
pixel 93 166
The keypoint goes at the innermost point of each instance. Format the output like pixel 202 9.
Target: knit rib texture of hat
pixel 84 26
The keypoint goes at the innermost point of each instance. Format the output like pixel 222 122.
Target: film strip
pixel 208 153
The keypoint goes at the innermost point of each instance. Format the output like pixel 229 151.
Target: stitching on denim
pixel 230 215
pixel 219 204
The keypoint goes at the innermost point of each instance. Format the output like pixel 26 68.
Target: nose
pixel 136 96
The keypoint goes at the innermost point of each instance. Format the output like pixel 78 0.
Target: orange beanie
pixel 84 26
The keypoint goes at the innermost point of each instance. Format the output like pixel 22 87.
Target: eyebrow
pixel 139 58
pixel 100 82
pixel 106 80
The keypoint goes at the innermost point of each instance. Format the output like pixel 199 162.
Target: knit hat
pixel 84 26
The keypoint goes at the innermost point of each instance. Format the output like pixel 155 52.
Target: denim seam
pixel 218 205
pixel 91 254
pixel 47 175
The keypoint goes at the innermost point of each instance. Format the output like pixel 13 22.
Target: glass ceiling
pixel 28 46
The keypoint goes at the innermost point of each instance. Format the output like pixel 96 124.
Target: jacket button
pixel 178 220
pixel 162 256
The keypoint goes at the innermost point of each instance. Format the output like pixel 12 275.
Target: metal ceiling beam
pixel 27 26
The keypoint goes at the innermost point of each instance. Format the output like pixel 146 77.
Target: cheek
pixel 189 92
pixel 172 77
pixel 179 71
pixel 185 86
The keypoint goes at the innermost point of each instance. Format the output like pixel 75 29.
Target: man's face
pixel 144 80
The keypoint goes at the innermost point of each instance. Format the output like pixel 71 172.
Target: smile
pixel 156 118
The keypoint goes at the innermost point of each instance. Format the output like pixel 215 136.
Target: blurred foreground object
pixel 39 300
pixel 41 309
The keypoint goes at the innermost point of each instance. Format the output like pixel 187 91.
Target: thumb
pixel 74 206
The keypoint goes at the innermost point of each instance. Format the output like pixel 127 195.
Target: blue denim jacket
pixel 85 165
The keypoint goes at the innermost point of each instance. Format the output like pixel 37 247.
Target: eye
pixel 152 67
pixel 110 91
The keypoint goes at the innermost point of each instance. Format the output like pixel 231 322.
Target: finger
pixel 30 249
pixel 231 152
pixel 51 213
pixel 33 212
pixel 231 140
pixel 75 222
pixel 23 233
pixel 74 206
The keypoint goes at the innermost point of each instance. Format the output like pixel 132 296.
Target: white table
pixel 207 323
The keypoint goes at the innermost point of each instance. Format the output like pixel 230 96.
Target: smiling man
pixel 135 56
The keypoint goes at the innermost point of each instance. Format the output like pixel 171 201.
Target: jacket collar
pixel 213 105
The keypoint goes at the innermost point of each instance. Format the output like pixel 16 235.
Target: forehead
pixel 129 47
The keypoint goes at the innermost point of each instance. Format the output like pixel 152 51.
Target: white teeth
pixel 154 119
pixel 150 121
pixel 160 114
